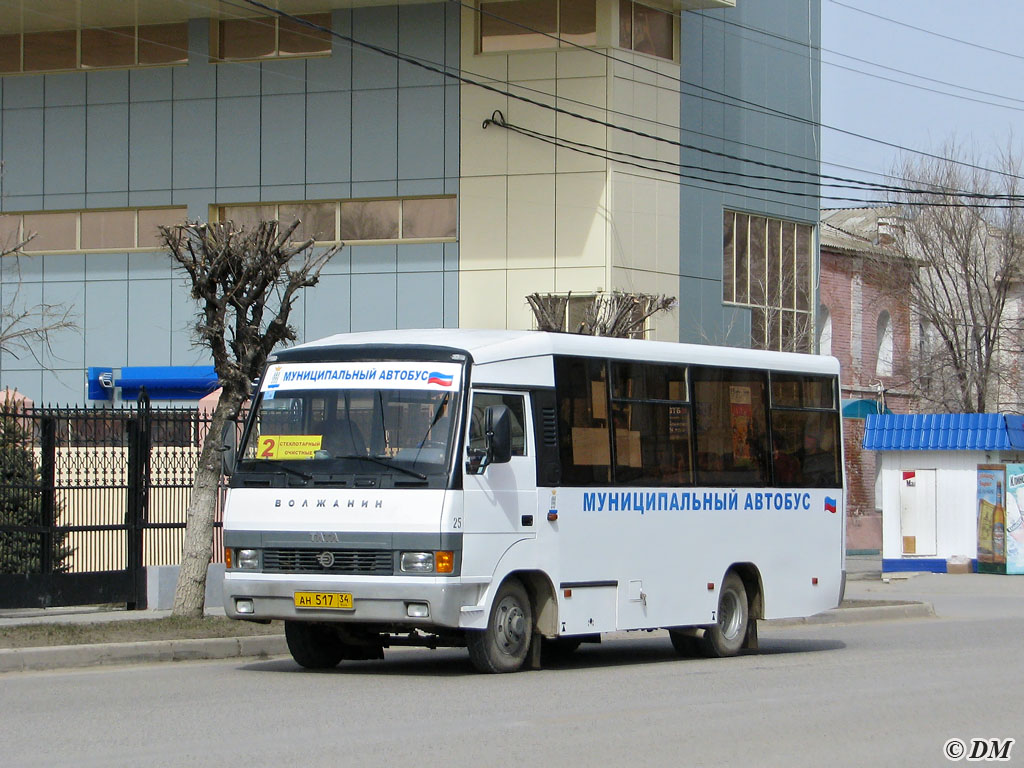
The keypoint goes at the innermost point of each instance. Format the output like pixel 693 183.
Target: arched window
pixel 883 362
pixel 824 331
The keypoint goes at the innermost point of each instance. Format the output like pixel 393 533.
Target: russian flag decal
pixel 830 504
pixel 440 379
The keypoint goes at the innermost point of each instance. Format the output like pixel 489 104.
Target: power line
pixel 928 31
pixel 646 163
pixel 814 176
pixel 823 49
pixel 764 109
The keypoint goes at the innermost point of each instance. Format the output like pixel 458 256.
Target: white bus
pixel 516 491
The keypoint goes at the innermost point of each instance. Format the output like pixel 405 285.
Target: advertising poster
pixel 1014 519
pixel 742 415
pixel 991 548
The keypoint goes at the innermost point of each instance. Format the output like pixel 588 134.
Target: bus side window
pixel 517 410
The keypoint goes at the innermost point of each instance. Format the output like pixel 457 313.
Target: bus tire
pixel 503 646
pixel 725 637
pixel 313 646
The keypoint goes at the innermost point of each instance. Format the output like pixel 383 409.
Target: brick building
pixel 871 334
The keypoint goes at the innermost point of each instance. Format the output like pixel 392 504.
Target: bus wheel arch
pixel 740 604
pixel 754 588
pixel 545 604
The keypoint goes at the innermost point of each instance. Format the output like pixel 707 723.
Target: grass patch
pixel 131 631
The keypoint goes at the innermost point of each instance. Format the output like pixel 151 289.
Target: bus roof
pixel 490 346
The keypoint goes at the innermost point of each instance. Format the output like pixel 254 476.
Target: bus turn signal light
pixel 444 561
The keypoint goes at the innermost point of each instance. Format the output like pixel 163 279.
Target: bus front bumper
pixel 407 602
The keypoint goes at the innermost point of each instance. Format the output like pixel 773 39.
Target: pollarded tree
pixel 618 313
pixel 245 281
pixel 957 260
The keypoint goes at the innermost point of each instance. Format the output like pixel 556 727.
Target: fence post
pixel 48 496
pixel 138 487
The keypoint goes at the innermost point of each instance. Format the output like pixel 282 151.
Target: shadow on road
pixel 454 662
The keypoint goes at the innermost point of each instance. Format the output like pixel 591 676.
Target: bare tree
pixel 245 281
pixel 548 310
pixel 618 313
pixel 27 328
pixel 957 260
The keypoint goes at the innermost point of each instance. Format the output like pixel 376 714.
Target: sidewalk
pixel 900 597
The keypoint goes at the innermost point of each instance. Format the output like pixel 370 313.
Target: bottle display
pixel 986 517
pixel 999 527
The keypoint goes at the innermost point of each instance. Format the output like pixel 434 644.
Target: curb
pixel 101 654
pixel 852 615
pixel 261 646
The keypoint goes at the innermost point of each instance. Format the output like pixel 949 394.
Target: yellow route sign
pixel 285 447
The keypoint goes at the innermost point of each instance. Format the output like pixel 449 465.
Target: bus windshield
pixel 355 417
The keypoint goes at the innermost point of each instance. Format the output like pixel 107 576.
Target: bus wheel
pixel 503 646
pixel 725 637
pixel 313 646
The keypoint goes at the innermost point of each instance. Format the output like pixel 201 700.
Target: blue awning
pixel 944 432
pixel 162 382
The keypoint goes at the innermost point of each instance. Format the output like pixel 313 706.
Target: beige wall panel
pixel 526 154
pixel 531 221
pixel 531 65
pixel 522 282
pixel 621 102
pixel 645 105
pixel 482 222
pixel 622 64
pixel 581 219
pixel 621 223
pixel 645 223
pixel 580 279
pixel 484 152
pixel 586 96
pixel 482 299
pixel 668 228
pixel 575 62
pixel 668 117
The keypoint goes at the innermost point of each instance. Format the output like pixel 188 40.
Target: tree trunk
pixel 190 593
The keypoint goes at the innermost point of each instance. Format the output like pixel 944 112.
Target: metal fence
pixel 91 496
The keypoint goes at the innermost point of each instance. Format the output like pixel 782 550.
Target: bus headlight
pixel 428 562
pixel 247 559
pixel 417 562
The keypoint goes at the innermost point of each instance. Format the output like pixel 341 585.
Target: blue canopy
pixel 944 432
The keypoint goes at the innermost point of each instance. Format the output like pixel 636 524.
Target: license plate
pixel 336 600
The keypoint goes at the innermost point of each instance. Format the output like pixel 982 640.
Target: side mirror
pixel 228 448
pixel 497 441
pixel 498 429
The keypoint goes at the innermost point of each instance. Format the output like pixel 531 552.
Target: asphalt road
pixel 879 693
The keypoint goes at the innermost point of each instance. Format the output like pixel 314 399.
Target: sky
pixel 876 56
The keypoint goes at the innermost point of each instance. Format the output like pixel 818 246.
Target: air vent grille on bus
pixel 549 424
pixel 349 561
